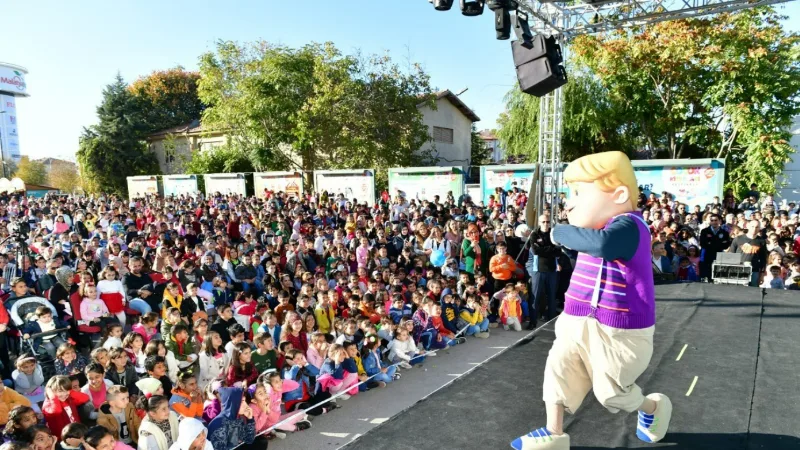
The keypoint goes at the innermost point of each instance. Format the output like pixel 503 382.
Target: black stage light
pixel 523 30
pixel 442 5
pixel 494 5
pixel 502 24
pixel 472 8
pixel 539 68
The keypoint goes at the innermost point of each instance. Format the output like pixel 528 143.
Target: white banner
pixel 225 183
pixel 9 134
pixel 178 185
pixel 141 186
pixel 353 184
pixel 288 182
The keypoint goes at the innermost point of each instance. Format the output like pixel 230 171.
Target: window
pixel 444 135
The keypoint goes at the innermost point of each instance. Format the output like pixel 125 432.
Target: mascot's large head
pixel 602 186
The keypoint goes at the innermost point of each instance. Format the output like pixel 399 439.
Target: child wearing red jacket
pixel 62 404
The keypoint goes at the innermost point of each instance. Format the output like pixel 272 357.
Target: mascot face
pixel 590 207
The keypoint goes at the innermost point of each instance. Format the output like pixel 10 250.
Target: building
pixel 498 153
pixel 174 146
pixel 450 128
pixel 791 171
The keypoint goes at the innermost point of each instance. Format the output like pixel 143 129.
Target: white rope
pixel 288 419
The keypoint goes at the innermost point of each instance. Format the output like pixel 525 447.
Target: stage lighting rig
pixel 502 24
pixel 472 8
pixel 523 29
pixel 442 5
pixel 510 5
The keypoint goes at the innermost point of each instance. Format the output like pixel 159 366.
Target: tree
pixel 114 148
pixel 167 98
pixel 725 87
pixel 64 177
pixel 219 160
pixel 313 108
pixel 31 172
pixel 589 124
pixel 480 153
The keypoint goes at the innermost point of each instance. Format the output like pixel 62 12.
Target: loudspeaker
pixel 442 5
pixel 539 69
pixel 502 24
pixel 472 8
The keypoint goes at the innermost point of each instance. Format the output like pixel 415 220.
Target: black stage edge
pixel 741 344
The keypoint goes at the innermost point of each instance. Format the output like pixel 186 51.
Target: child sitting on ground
pixel 147 326
pixel 332 376
pixel 112 336
pixel 62 404
pixel 96 387
pixel 236 332
pixel 118 415
pixel 68 361
pixel 265 357
pixel 72 437
pixel 181 347
pixel 29 380
pixel 266 405
pixel 187 400
pixel 120 371
pixel 402 350
pixel 156 367
pixel 241 371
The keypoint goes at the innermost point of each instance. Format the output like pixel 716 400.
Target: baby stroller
pixel 22 312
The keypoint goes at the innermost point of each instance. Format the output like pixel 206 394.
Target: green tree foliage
pixel 168 98
pixel 720 87
pixel 313 108
pixel 31 172
pixel 114 148
pixel 219 160
pixel 590 124
pixel 480 153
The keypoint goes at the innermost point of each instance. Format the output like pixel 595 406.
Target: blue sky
pixel 73 49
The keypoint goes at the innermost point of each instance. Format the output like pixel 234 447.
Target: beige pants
pixel 588 355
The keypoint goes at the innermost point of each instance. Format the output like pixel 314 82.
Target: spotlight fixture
pixel 539 68
pixel 442 5
pixel 523 29
pixel 502 23
pixel 494 5
pixel 472 8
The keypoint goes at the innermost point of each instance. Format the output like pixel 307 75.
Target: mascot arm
pixel 619 240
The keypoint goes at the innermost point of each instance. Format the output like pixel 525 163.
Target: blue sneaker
pixel 541 439
pixel 653 427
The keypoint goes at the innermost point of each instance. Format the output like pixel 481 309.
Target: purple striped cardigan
pixel 626 297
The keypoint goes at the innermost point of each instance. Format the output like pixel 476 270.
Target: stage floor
pixel 735 347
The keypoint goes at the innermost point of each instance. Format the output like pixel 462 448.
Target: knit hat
pixel 148 386
pixel 188 430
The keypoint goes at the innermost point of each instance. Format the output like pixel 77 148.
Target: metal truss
pixel 577 18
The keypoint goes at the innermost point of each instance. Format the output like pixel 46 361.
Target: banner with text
pixel 425 183
pixel 288 182
pixel 178 185
pixel 225 183
pixel 693 183
pixel 142 186
pixel 353 184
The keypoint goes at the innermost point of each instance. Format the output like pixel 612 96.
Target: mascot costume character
pixel 604 338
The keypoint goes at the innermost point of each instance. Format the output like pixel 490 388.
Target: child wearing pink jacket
pixel 266 406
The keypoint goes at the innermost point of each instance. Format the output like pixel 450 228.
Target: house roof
pixel 39 187
pixel 487 135
pixel 455 101
pixel 192 127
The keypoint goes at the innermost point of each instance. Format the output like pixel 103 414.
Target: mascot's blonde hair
pixel 608 171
